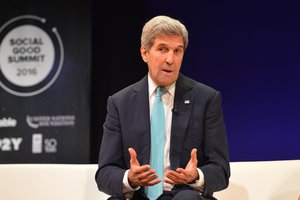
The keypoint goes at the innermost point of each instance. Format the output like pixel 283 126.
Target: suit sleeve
pixel 111 167
pixel 216 170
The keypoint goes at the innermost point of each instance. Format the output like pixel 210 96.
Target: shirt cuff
pixel 199 184
pixel 127 189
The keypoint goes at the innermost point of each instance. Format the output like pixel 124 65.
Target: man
pixel 195 152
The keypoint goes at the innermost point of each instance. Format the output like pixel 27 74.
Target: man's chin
pixel 166 82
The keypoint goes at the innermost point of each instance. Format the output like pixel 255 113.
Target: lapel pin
pixel 186 101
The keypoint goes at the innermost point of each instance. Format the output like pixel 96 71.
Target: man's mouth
pixel 167 70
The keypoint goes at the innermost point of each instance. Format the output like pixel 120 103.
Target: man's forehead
pixel 169 40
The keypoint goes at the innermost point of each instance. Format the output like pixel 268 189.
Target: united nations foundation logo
pixel 31 55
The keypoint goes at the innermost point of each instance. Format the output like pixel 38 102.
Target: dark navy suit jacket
pixel 196 123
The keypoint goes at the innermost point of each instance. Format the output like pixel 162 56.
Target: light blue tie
pixel 157 143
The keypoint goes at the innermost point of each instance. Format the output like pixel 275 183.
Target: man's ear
pixel 144 54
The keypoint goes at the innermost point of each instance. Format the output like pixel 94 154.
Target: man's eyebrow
pixel 163 45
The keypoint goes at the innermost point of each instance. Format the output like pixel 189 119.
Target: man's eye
pixel 177 51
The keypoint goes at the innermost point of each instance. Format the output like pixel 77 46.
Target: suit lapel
pixel 183 103
pixel 142 120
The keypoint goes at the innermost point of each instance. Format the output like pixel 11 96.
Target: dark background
pixel 248 50
pixel 68 95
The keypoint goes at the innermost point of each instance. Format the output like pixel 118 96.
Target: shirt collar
pixel 152 86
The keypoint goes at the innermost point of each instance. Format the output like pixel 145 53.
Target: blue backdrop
pixel 250 52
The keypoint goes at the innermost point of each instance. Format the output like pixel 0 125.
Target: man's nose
pixel 170 58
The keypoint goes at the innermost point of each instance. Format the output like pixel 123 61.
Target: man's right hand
pixel 140 175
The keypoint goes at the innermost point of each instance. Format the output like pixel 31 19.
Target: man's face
pixel 164 59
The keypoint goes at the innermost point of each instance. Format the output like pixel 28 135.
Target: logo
pixel 8 122
pixel 31 55
pixel 10 144
pixel 50 121
pixel 38 144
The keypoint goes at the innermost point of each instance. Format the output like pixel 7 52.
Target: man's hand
pixel 140 175
pixel 184 176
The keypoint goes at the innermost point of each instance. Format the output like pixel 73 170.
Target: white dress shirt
pixel 168 101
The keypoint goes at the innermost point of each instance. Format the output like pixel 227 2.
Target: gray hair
pixel 162 25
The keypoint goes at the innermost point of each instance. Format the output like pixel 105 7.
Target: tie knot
pixel 160 91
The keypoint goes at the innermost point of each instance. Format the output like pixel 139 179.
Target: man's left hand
pixel 184 176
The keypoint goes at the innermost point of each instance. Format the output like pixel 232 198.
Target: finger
pixel 149 180
pixel 151 183
pixel 147 173
pixel 178 177
pixel 171 178
pixel 174 180
pixel 143 173
pixel 181 171
pixel 139 170
pixel 194 155
pixel 133 157
pixel 174 176
pixel 136 175
pixel 167 180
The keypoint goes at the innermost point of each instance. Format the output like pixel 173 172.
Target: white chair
pixel 263 180
pixel 49 182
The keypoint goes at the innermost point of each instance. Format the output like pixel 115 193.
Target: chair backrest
pixel 49 182
pixel 263 180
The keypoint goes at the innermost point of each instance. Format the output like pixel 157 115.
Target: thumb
pixel 194 155
pixel 133 159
